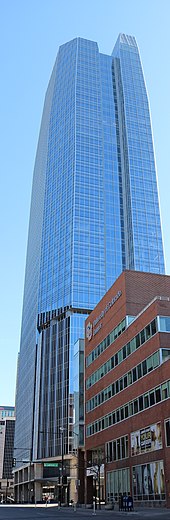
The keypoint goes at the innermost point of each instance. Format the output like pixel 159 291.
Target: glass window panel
pixel 152 397
pixel 153 327
pixel 122 413
pixel 142 336
pixel 129 378
pixel 144 367
pixel 164 388
pixel 141 403
pixel 136 406
pixel 149 363
pixel 146 400
pixel 134 374
pixel 123 447
pixel 148 332
pixel 139 371
pixel 137 340
pixel 114 450
pixel 164 323
pixel 158 394
pixel 165 354
pixel 121 384
pixel 167 429
pixel 125 381
pixel 126 411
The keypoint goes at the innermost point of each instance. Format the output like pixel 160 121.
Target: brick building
pixel 127 390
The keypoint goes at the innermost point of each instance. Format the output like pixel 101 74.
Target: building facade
pixel 94 212
pixel 7 430
pixel 127 383
pixel 7 411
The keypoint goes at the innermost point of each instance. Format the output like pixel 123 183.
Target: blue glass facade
pixel 94 212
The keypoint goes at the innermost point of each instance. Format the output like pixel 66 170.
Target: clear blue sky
pixel 30 34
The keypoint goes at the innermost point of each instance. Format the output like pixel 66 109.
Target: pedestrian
pixel 46 500
pixel 129 502
pixel 120 502
pixel 125 502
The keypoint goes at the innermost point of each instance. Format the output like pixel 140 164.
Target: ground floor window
pixel 149 481
pixel 117 482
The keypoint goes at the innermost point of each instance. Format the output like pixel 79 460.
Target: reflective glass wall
pixel 94 212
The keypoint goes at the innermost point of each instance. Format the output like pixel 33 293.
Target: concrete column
pixel 38 492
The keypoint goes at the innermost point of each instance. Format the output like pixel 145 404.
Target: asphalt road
pixel 50 513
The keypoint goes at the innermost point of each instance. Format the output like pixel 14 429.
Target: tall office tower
pixel 94 213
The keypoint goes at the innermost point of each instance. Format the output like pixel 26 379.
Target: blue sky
pixel 30 34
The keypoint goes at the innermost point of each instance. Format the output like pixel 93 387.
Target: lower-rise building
pixel 7 429
pixel 127 391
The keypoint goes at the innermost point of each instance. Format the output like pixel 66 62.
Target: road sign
pixel 50 464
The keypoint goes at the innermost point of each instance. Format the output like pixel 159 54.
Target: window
pixel 117 387
pixel 114 450
pixel 165 354
pixel 143 481
pixel 156 359
pixel 141 403
pixel 152 398
pixel 129 378
pixel 153 327
pixel 124 352
pixel 122 414
pixel 149 364
pixel 134 375
pixel 139 371
pixel 158 394
pixel 146 401
pixel 126 411
pixel 144 367
pixel 129 409
pixel 125 381
pixel 121 384
pixel 164 323
pixel 137 341
pixel 136 406
pixel 148 332
pixel 167 431
pixel 123 447
pixel 117 449
pixel 142 335
pixel 164 391
pixel 128 349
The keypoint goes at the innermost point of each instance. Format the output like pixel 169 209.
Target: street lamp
pixel 62 460
pixel 26 462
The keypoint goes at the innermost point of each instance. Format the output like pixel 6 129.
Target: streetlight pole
pixel 76 498
pixel 62 460
pixel 29 479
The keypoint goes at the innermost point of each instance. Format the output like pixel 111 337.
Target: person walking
pixel 129 502
pixel 120 502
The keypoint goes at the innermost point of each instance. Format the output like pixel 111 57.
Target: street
pixel 52 512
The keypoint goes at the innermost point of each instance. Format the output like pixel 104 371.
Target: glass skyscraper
pixel 94 212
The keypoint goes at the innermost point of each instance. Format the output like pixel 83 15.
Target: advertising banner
pixel 148 480
pixel 147 439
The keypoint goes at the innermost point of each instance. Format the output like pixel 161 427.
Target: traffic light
pixel 13 462
pixel 64 480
